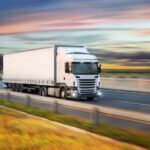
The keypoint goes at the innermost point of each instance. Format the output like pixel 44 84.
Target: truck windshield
pixel 85 68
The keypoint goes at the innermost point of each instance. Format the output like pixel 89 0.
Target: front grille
pixel 86 86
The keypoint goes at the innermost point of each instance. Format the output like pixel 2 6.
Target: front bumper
pixel 75 94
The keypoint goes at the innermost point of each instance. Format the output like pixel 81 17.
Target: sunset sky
pixel 117 30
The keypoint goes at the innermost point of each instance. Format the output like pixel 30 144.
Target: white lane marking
pixel 132 103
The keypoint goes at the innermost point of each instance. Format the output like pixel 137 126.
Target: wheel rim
pixel 43 92
pixel 62 94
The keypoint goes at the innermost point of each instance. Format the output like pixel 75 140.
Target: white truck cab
pixel 79 71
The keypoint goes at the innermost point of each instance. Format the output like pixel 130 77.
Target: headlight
pixel 74 93
pixel 99 93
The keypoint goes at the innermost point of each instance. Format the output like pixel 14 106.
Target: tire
pixel 12 87
pixel 8 85
pixel 17 87
pixel 90 98
pixel 63 93
pixel 20 88
pixel 43 91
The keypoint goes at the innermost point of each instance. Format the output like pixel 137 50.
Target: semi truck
pixel 60 70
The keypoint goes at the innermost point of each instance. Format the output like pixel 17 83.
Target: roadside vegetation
pixel 127 75
pixel 124 73
pixel 21 131
pixel 132 136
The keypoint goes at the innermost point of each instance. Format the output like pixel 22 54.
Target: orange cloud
pixel 37 26
pixel 142 31
pixel 45 21
pixel 16 28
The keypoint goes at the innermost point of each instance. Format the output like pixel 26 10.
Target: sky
pixel 118 31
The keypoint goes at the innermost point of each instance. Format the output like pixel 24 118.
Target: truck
pixel 60 70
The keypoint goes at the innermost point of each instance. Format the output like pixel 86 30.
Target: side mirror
pixel 66 67
pixel 100 68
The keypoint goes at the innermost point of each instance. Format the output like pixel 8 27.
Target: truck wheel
pixel 9 85
pixel 63 93
pixel 17 87
pixel 20 88
pixel 13 87
pixel 90 98
pixel 43 91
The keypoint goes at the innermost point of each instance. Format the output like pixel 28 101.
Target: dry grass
pixel 22 132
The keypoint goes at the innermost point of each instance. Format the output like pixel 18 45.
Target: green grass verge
pixel 132 136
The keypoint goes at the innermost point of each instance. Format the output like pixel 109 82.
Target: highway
pixel 122 99
pixel 134 102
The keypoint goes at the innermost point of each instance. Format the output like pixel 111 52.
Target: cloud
pixel 129 56
pixel 126 59
pixel 35 15
pixel 142 31
pixel 141 62
pixel 61 37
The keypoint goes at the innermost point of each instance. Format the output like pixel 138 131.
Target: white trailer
pixel 61 71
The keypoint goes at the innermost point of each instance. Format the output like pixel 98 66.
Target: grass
pixel 126 73
pixel 132 136
pixel 21 131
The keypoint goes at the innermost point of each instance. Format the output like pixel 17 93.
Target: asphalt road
pixel 135 101
pixel 127 100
